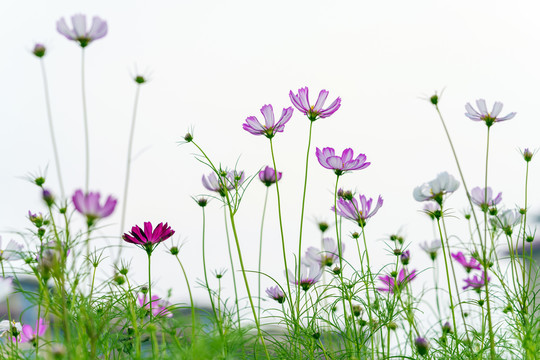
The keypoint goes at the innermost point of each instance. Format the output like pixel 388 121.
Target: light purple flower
pixel 268 176
pixel 275 293
pixel 89 206
pixel 506 221
pixel 270 127
pixel 79 33
pixel 432 209
pixel 484 199
pixel 159 308
pixel 434 190
pixel 148 238
pixel 476 282
pixel 422 345
pixel 405 257
pixel 468 265
pixel 358 212
pixel 341 164
pixel 484 115
pixel 29 334
pixel 328 256
pixel 431 248
pixel 230 181
pixel 392 285
pixel 301 102
pixel 12 250
pixel 310 274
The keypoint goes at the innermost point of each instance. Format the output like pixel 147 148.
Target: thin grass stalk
pixel 232 268
pixel 191 303
pixel 260 248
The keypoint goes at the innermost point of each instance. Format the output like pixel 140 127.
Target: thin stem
pixel 191 303
pixel 232 267
pixel 523 252
pixel 150 283
pixel 85 118
pixel 260 248
pixel 128 169
pixel 51 127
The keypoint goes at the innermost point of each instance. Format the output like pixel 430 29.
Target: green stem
pixel 191 303
pixel 85 119
pixel 260 248
pixel 233 271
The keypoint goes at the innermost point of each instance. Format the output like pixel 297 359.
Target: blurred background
pixel 211 64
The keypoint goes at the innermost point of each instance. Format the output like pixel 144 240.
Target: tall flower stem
pixel 485 259
pixel 51 127
pixel 190 301
pixel 233 226
pixel 85 118
pixel 128 167
pixel 302 216
pixel 523 252
pixel 8 311
pixel 232 267
pixel 372 281
pixel 260 249
pixel 149 253
pixel 281 228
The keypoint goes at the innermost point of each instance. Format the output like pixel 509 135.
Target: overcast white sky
pixel 213 63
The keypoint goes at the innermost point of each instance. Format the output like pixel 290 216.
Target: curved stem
pixel 85 118
pixel 190 301
pixel 232 267
pixel 260 248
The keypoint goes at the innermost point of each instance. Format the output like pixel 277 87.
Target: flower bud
pixel 39 50
pixel 188 137
pixel 527 154
pixel 48 197
pixel 422 346
pixel 174 250
pixel 323 226
pixel 434 99
pixel 39 181
pixel 139 79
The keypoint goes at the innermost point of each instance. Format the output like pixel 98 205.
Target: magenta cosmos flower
pixel 358 212
pixel 275 293
pixel 79 33
pixel 341 164
pixel 467 264
pixel 484 115
pixel 484 199
pixel 301 102
pixel 29 334
pixel 476 282
pixel 89 206
pixel 148 238
pixel 393 285
pixel 268 176
pixel 270 127
pixel 159 307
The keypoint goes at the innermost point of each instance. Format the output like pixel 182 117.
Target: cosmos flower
pixel 159 308
pixel 148 238
pixel 301 102
pixel 6 327
pixel 484 115
pixel 6 288
pixel 476 282
pixel 506 221
pixel 268 176
pixel 405 257
pixel 270 128
pixel 310 274
pixel 468 265
pixel 89 206
pixel 391 284
pixel 341 164
pixel 11 252
pixel 275 293
pixel 484 199
pixel 230 181
pixel 432 248
pixel 329 256
pixel 354 211
pixel 29 334
pixel 79 33
pixel 434 190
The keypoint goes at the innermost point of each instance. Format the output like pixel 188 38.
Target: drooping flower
pixel 432 248
pixel 89 206
pixel 275 293
pixel 341 164
pixel 6 288
pixel 391 284
pixel 476 282
pixel 159 307
pixel 270 127
pixel 79 33
pixel 301 102
pixel 268 176
pixel 229 181
pixel 310 274
pixel 435 190
pixel 484 115
pixel 467 264
pixel 148 238
pixel 328 256
pixel 7 328
pixel 354 211
pixel 12 250
pixel 29 334
pixel 484 199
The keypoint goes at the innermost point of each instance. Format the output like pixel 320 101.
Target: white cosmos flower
pixel 6 288
pixel 12 250
pixel 5 326
pixel 443 184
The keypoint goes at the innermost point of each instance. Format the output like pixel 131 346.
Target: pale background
pixel 213 63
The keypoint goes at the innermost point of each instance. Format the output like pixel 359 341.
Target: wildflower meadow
pixel 277 276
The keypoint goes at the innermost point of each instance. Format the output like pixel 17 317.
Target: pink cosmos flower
pixel 392 285
pixel 329 256
pixel 341 164
pixel 301 102
pixel 275 293
pixel 468 265
pixel 148 238
pixel 89 206
pixel 79 33
pixel 484 199
pixel 268 176
pixel 230 181
pixel 29 334
pixel 484 115
pixel 310 274
pixel 354 211
pixel 159 308
pixel 270 128
pixel 476 282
